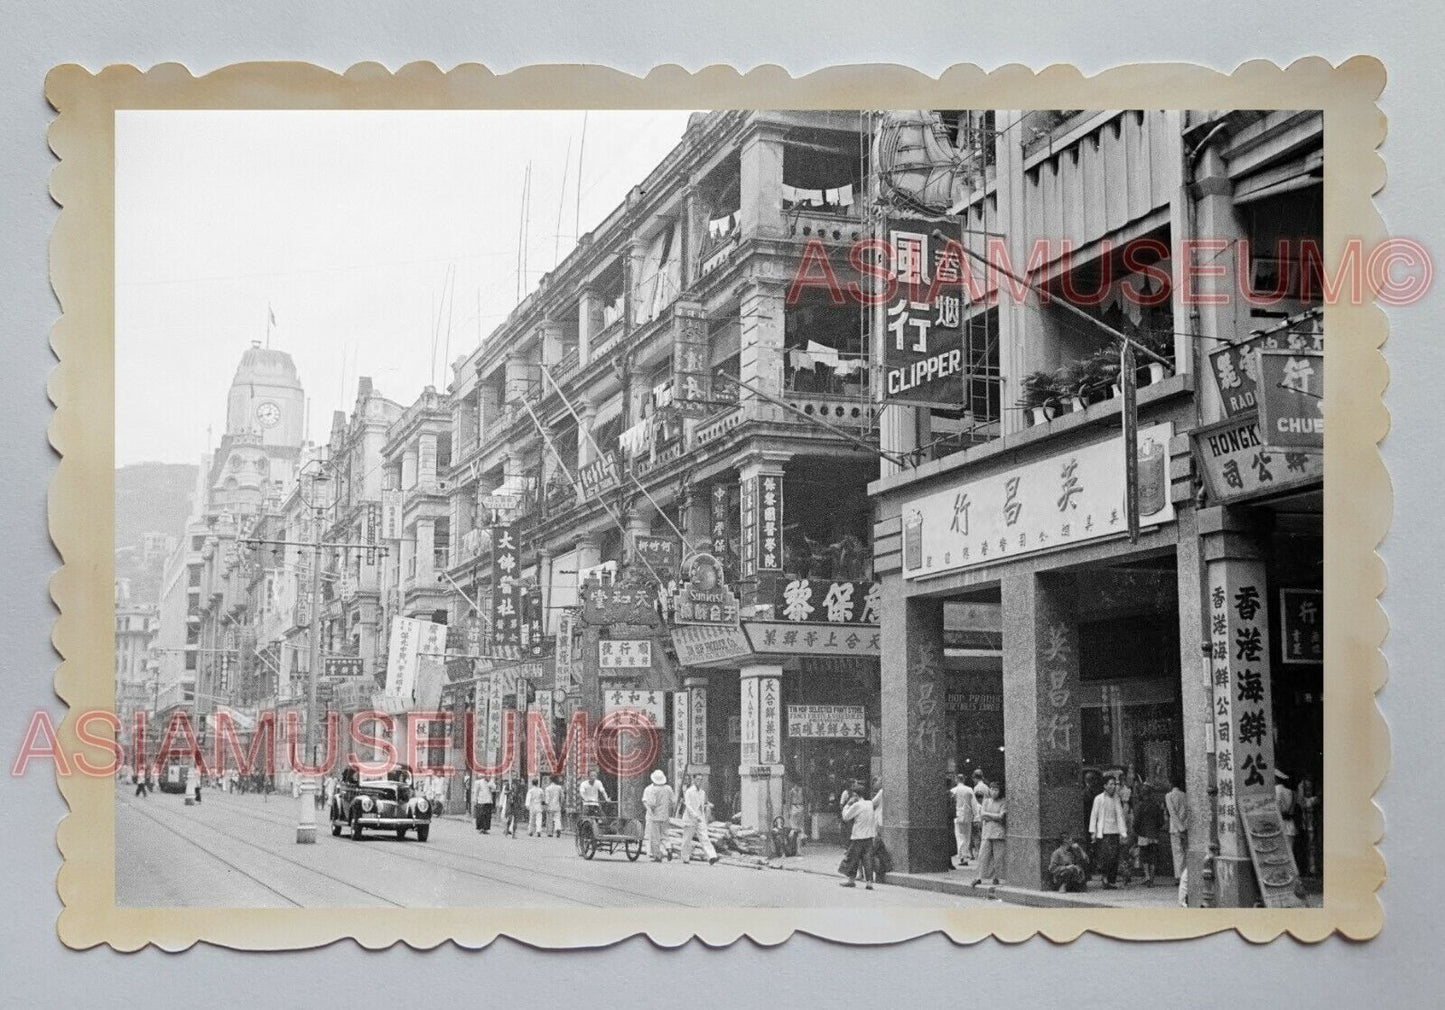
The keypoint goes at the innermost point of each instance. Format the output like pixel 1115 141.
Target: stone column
pixel 586 453
pixel 426 454
pixel 761 182
pixel 917 810
pixel 408 469
pixel 761 767
pixel 425 537
pixel 696 520
pixel 1019 353
pixel 517 378
pixel 760 356
pixel 550 335
pixel 1043 750
pixel 587 308
pixel 639 524
pixel 1216 222
pixel 489 405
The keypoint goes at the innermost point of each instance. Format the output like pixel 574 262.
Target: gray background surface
pixel 1400 968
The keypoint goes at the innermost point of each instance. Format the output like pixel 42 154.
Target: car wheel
pixel 423 831
pixel 335 829
pixel 356 828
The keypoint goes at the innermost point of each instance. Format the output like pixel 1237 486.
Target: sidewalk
pixel 822 858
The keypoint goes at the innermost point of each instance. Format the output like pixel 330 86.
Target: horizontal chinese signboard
pixel 843 721
pixel 500 502
pixel 624 654
pixel 1302 626
pixel 1234 367
pixel 651 703
pixel 826 601
pixel 343 666
pixel 599 476
pixel 793 639
pixel 603 605
pixel 1237 465
pixel 661 554
pixel 702 644
pixel 1067 499
pixel 1292 399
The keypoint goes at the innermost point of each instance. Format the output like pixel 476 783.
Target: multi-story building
pixel 1149 651
pixel 137 673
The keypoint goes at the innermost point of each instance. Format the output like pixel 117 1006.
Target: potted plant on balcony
pixel 1103 380
pixel 1072 380
pixel 1161 342
pixel 1040 396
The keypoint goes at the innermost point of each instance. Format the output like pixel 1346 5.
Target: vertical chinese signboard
pixel 690 380
pixel 391 502
pixel 720 525
pixel 749 721
pixel 761 512
pixel 506 613
pixel 697 730
pixel 568 675
pixel 748 513
pixel 401 660
pixel 923 329
pixel 1248 815
pixel 1301 625
pixel 680 713
pixel 770 722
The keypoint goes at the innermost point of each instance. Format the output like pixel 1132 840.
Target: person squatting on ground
pixel 694 820
pixel 658 800
pixel 862 814
pixel 1069 866
pixel 992 855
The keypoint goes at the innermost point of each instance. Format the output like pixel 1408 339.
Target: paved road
pixel 241 851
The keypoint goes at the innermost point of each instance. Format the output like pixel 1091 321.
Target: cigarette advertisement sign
pixel 923 328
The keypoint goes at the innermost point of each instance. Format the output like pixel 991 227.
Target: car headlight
pixel 366 804
pixel 421 806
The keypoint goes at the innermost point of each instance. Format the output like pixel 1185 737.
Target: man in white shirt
pixel 965 813
pixel 1108 828
pixel 552 795
pixel 483 802
pixel 536 804
pixel 593 794
pixel 694 820
pixel 1176 808
pixel 862 814
pixel 658 800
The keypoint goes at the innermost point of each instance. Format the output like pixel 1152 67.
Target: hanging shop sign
pixel 599 476
pixel 700 645
pixel 721 523
pixel 770 725
pixel 371 527
pixel 827 721
pixel 825 601
pixel 659 553
pixel 1067 499
pixel 1237 466
pixel 391 502
pixel 690 379
pixel 761 509
pixel 568 670
pixel 653 704
pixel 1292 399
pixel 603 605
pixel 1302 626
pixel 697 704
pixel 1234 367
pixel 500 502
pixel 780 637
pixel 703 598
pixel 343 666
pixel 923 334
pixel 624 654
pixel 530 603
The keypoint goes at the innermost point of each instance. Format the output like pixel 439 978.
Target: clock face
pixel 268 414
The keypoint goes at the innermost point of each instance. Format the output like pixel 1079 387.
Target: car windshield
pixel 384 789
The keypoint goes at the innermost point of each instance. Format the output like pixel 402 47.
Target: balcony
pixel 840 412
pixel 607 341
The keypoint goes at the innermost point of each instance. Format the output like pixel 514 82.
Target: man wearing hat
pixel 658 801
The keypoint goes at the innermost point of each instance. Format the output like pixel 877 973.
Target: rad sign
pixel 1068 499
pixel 1292 398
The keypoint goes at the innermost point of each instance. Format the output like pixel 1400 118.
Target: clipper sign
pixel 923 328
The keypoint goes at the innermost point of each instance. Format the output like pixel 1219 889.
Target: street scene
pixel 729 508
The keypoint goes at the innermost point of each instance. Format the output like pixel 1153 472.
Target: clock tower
pixel 266 398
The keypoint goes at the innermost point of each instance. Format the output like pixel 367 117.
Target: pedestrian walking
pixel 140 783
pixel 593 794
pixel 483 802
pixel 965 813
pixel 1176 809
pixel 536 806
pixel 516 805
pixel 993 819
pixel 197 787
pixel 552 796
pixel 1108 828
pixel 861 814
pixel 980 793
pixel 1148 825
pixel 694 820
pixel 658 801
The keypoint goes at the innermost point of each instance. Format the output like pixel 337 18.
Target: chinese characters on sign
pixel 1059 736
pixel 923 339
pixel 601 475
pixel 1236 465
pixel 821 601
pixel 748 721
pixel 697 730
pixel 770 727
pixel 652 703
pixel 568 676
pixel 721 521
pixel 1302 630
pixel 343 666
pixel 691 385
pixel 792 639
pixel 1234 367
pixel 506 610
pixel 842 721
pixel 699 644
pixel 391 502
pixel 680 713
pixel 603 605
pixel 658 553
pixel 624 654
pixel 703 599
pixel 762 524
pixel 1064 500
pixel 1292 399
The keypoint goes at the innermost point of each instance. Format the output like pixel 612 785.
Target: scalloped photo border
pixel 1357 495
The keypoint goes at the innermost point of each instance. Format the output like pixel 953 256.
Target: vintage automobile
pixel 381 804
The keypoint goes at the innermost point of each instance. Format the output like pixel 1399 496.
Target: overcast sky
pixel 345 224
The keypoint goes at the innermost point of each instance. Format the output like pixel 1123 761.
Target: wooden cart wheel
pixel 586 840
pixel 632 829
